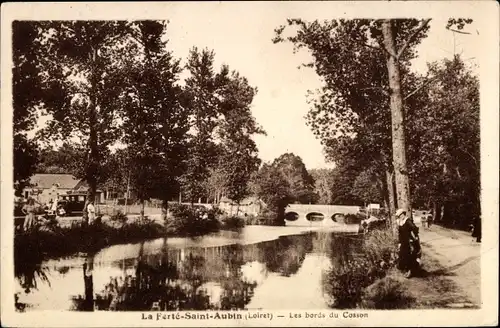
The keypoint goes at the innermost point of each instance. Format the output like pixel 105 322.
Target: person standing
pixel 408 240
pixel 91 211
pixel 476 230
pixel 29 209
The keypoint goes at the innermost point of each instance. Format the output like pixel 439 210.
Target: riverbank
pixel 451 276
pixel 52 240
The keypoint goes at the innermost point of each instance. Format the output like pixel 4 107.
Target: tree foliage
pixel 351 112
pixel 222 154
pixel 202 91
pixel 238 155
pixel 83 65
pixel 27 93
pixel 154 124
pixel 446 169
pixel 284 181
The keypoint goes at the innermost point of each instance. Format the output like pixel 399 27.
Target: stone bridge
pixel 317 215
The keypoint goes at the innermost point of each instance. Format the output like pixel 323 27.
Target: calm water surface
pixel 257 268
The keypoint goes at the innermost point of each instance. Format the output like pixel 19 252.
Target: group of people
pixel 30 209
pixel 34 212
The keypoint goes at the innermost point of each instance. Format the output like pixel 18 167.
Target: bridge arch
pixel 338 217
pixel 291 216
pixel 315 216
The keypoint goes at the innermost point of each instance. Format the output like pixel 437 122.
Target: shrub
pixel 192 220
pixel 354 218
pixel 345 283
pixel 119 217
pixel 387 294
pixel 55 240
pixel 266 217
pixel 233 222
pixel 347 280
pixel 380 247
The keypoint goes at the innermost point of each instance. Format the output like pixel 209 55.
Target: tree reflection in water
pixel 28 268
pixel 201 278
pixel 286 254
pixel 186 279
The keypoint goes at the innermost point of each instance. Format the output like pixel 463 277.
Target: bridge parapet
pixel 297 214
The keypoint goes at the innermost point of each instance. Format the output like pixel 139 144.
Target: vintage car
pixel 71 204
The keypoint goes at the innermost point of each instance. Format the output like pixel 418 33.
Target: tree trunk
pixel 164 210
pixel 398 127
pixel 88 267
pixel 93 160
pixel 142 209
pixel 390 193
pixel 85 214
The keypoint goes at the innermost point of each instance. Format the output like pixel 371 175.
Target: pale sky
pixel 280 104
pixel 242 38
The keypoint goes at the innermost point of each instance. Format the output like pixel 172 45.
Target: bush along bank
pixel 360 279
pixel 52 240
pixel 185 220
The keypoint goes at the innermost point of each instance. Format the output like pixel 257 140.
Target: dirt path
pixel 452 270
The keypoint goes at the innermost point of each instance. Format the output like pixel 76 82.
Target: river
pixel 259 267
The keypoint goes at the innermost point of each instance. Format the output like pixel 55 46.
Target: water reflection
pixel 283 273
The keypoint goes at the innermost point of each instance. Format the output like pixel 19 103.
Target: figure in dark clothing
pixel 409 244
pixel 476 232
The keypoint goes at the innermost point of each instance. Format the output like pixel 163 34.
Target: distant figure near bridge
pixel 306 215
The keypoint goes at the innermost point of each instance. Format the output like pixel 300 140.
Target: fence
pixel 150 208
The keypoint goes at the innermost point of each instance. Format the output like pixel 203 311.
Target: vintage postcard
pixel 277 163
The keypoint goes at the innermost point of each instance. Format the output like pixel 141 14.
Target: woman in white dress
pixel 91 211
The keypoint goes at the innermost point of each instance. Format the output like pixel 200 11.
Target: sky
pixel 280 104
pixel 242 39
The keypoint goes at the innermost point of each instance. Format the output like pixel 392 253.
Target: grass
pixel 387 293
pixel 49 241
pixel 362 265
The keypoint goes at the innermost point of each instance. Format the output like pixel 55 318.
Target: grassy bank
pixel 367 278
pixel 362 278
pixel 52 240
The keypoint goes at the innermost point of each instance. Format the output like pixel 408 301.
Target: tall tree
pixel 352 113
pixel 300 182
pixel 26 89
pixel 82 67
pixel 368 188
pixel 323 185
pixel 393 54
pixel 238 156
pixel 283 182
pixel 65 159
pixel 202 94
pixel 270 185
pixel 155 124
pixel 449 144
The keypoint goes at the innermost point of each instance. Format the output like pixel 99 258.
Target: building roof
pixel 46 181
pixel 64 181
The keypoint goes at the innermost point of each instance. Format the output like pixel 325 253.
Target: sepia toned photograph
pixel 244 164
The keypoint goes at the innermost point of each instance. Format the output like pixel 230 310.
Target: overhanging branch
pixel 377 88
pixel 457 31
pixel 412 37
pixel 420 87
